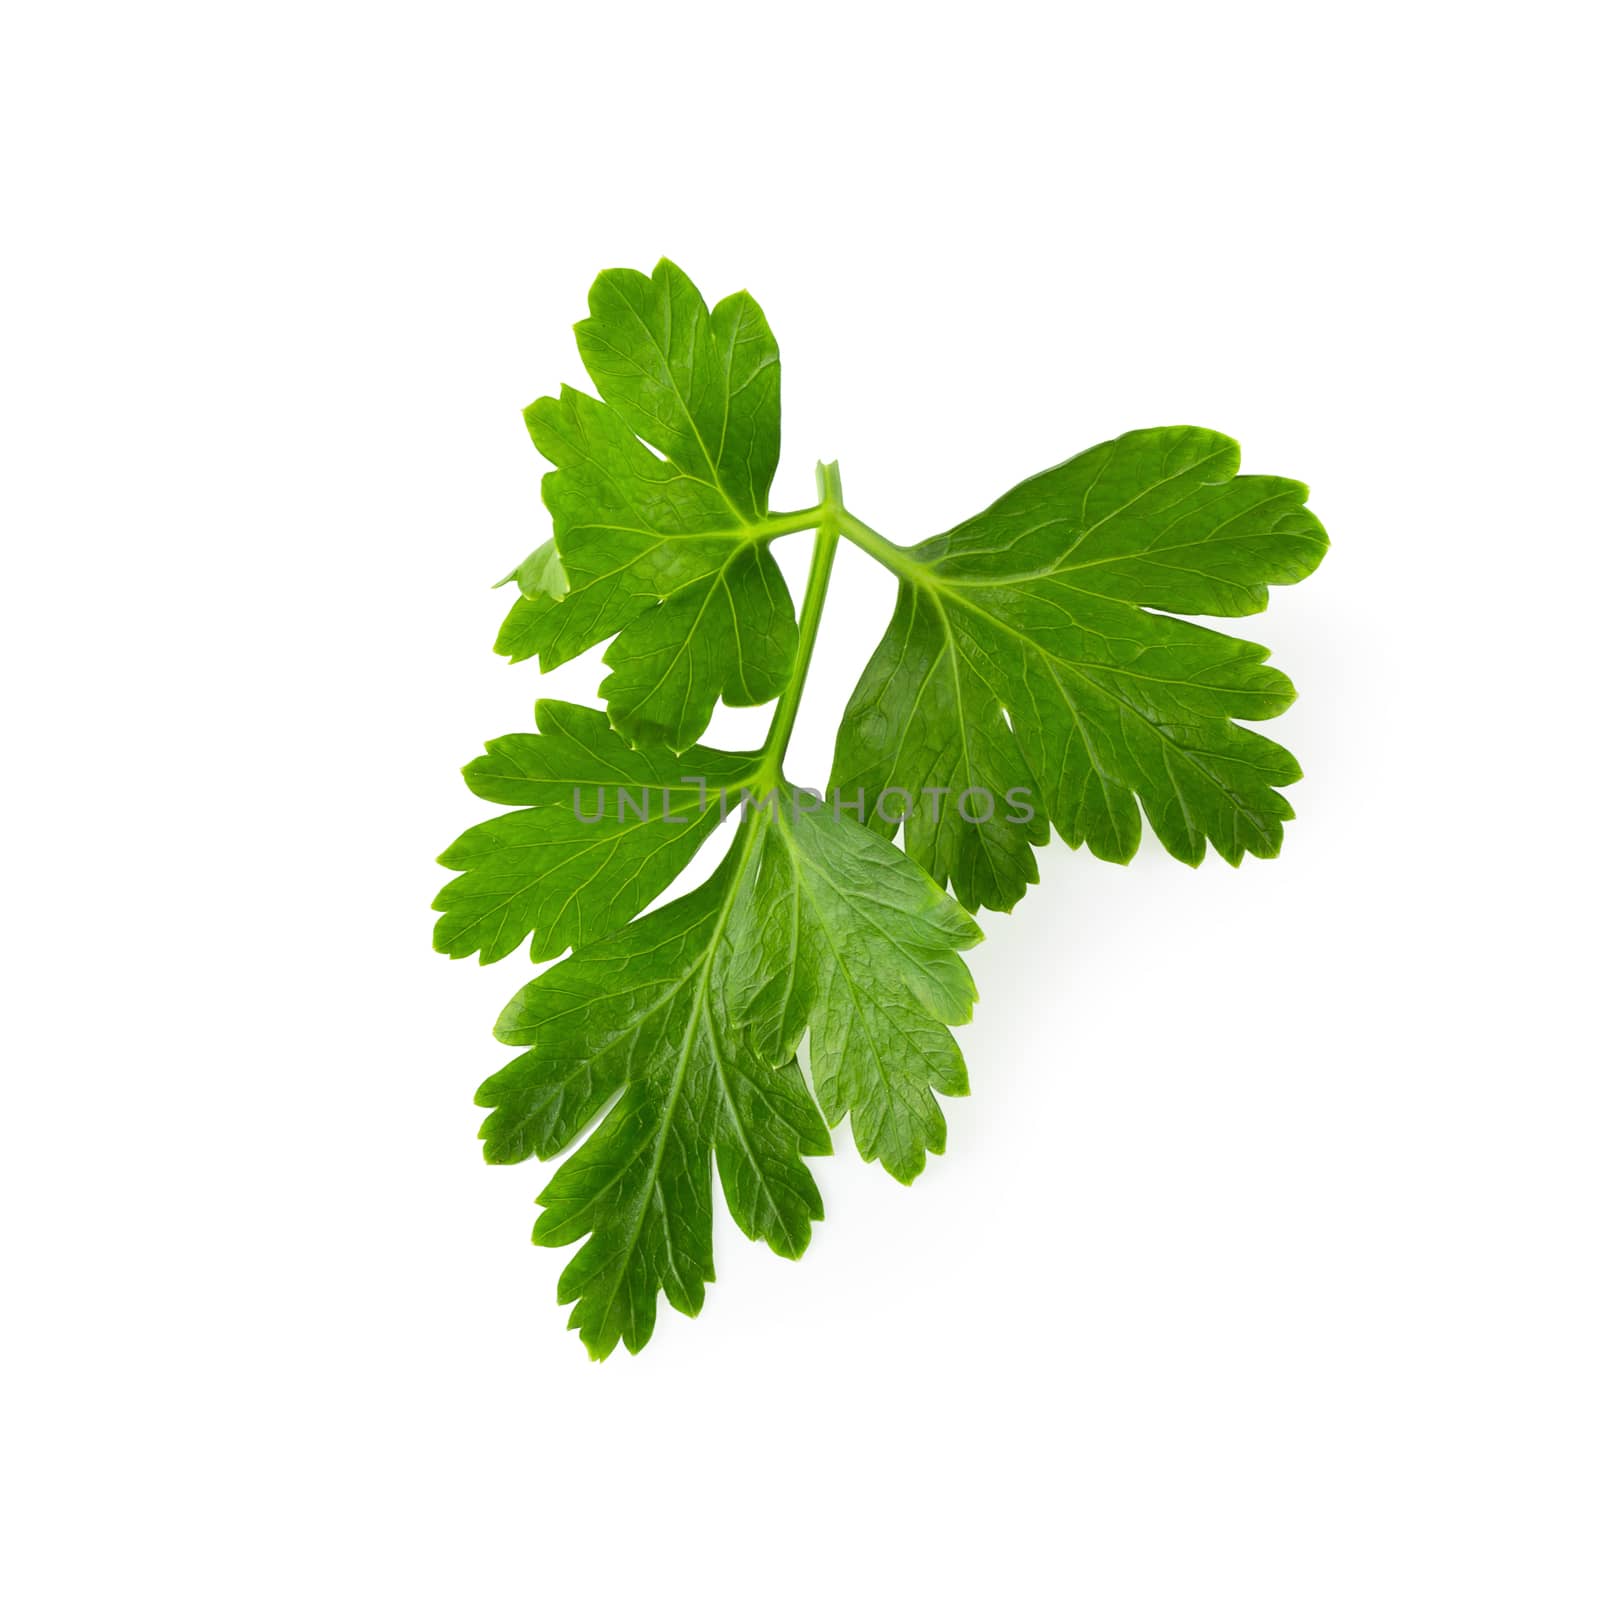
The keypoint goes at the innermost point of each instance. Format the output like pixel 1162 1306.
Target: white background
pixel 1264 1259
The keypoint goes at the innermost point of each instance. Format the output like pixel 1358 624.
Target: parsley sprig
pixel 1037 671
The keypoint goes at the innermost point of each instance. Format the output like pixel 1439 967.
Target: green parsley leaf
pixel 638 1012
pixel 695 1012
pixel 1021 655
pixel 603 830
pixel 836 931
pixel 671 556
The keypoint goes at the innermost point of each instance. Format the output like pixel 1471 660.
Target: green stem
pixel 893 556
pixel 827 517
pixel 787 522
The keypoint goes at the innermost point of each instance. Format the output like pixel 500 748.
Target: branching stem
pixel 827 517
